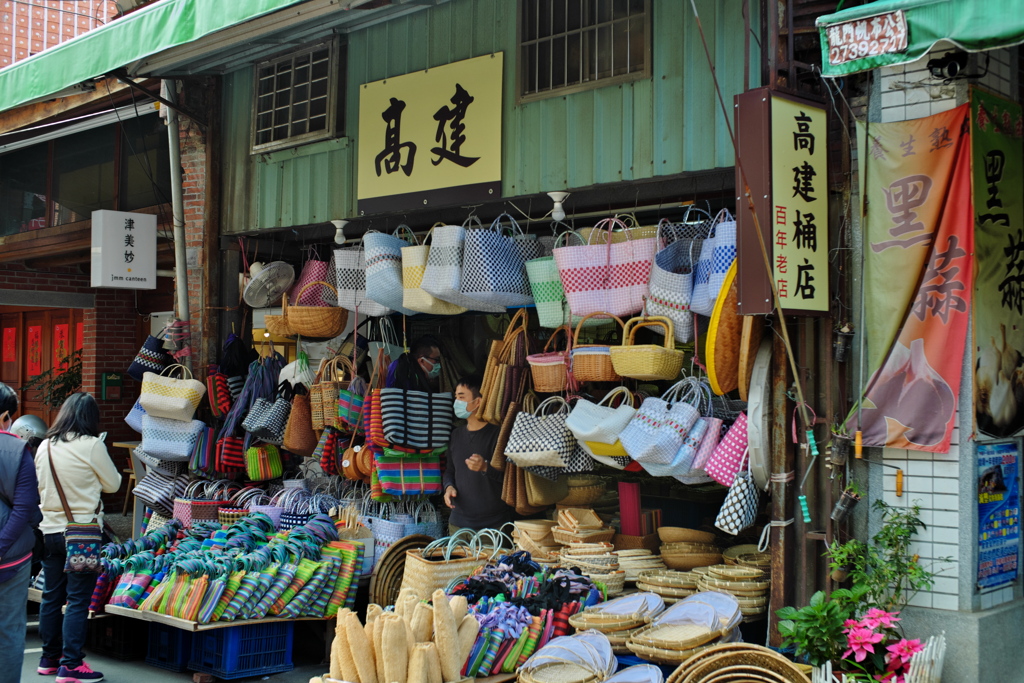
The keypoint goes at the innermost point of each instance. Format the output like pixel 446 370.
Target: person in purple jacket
pixel 19 515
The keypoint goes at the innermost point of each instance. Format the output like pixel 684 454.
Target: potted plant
pixel 839 451
pixel 847 501
pixel 816 631
pixel 841 343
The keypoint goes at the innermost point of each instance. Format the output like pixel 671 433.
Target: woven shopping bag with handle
pixel 540 439
pixel 350 273
pixel 151 358
pixel 443 275
pixel 494 264
pixel 323 322
pixel 656 432
pixel 716 256
pixel 593 362
pixel 506 360
pixel 739 510
pixel 729 456
pixel 414 267
pixel 174 398
pixel 550 369
pixel 647 362
pixel 384 267
pixel 606 277
pixel 450 558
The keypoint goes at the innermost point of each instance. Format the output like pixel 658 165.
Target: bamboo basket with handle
pixel 593 362
pixel 314 321
pixel 648 362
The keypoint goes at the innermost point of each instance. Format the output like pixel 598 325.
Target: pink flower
pixel 879 617
pixel 850 624
pixel 904 650
pixel 861 642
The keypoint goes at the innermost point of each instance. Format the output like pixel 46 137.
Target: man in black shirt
pixel 472 488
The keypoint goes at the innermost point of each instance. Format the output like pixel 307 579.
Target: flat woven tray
pixel 606 623
pixel 676 548
pixel 675 636
pixel 728 572
pixel 689 562
pixel 703 665
pixel 663 656
pixel 669 578
pixel 732 553
pixel 665 591
pixel 739 586
pixel 557 672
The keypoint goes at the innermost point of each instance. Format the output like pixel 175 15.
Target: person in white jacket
pixel 85 471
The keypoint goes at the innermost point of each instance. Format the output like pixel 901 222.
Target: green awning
pixel 874 29
pixel 150 30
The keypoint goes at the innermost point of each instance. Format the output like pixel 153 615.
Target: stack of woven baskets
pixel 620 618
pixel 747 555
pixel 534 536
pixel 584 490
pixel 738 662
pixel 581 525
pixel 685 549
pixel 597 561
pixel 670 584
pixel 633 562
pixel 748 585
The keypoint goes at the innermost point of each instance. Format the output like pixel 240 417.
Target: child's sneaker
pixel 80 674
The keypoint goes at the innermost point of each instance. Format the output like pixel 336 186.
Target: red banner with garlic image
pixel 918 252
pixel 997 144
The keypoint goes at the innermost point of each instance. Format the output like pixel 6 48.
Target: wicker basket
pixel 427 573
pixel 614 583
pixel 691 561
pixel 323 322
pixel 662 656
pixel 649 362
pixel 702 666
pixel 686 548
pixel 678 534
pixel 681 636
pixel 275 325
pixel 624 542
pixel 230 515
pixel 727 572
pixel 593 362
pixel 557 672
pixel 550 368
pixel 579 519
pixel 567 536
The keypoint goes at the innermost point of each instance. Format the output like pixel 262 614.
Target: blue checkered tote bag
pixel 494 265
pixel 383 259
pixel 716 255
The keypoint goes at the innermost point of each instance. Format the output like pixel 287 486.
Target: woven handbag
pixel 443 276
pixel 672 286
pixel 730 456
pixel 435 568
pixel 204 455
pixel 739 510
pixel 716 256
pixel 170 397
pixel 272 420
pixel 350 273
pixel 299 437
pixel 384 267
pixel 158 490
pixel 550 369
pixel 656 432
pixel 219 394
pixel 593 362
pixel 542 491
pixel 151 358
pixel 414 268
pixel 263 462
pixel 134 417
pixel 542 440
pixel 313 270
pixel 611 277
pixel 170 439
pixel 647 362
pixel 416 419
pixel 402 474
pixel 600 422
pixel 323 395
pixel 350 405
pixel 230 454
pixel 323 322
pixel 494 264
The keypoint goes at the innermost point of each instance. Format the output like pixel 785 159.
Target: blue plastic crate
pixel 169 647
pixel 241 651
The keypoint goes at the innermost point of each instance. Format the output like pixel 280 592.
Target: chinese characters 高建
pixel 391 155
pixel 452 117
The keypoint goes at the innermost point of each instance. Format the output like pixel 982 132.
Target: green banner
pixel 998 189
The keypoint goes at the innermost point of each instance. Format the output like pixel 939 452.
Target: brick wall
pixel 28 27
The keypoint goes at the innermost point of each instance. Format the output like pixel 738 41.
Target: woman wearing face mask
pixel 419 369
pixel 472 488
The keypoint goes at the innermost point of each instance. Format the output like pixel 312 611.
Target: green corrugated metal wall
pixel 664 125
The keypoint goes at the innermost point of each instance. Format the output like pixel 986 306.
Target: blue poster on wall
pixel 998 513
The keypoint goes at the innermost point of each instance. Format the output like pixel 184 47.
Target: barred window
pixel 578 44
pixel 296 97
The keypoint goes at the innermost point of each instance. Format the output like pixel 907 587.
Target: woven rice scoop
pixel 423 623
pixel 346 663
pixel 396 648
pixel 446 636
pixel 366 668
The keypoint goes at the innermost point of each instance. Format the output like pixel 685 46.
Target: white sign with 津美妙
pixel 123 250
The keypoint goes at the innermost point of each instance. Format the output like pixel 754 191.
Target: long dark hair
pixel 79 416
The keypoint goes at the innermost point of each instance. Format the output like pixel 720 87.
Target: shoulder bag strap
pixel 60 489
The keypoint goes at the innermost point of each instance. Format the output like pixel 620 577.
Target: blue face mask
pixel 462 410
pixel 435 369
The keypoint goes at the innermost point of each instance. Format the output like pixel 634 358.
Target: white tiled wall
pixel 909 92
pixel 932 481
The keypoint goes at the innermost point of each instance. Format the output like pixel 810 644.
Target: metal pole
pixel 177 212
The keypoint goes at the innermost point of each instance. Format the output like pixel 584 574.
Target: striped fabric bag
pixel 416 419
pixel 402 474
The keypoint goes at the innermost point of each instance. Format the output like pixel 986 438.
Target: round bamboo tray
pixel 755 657
pixel 731 554
pixel 566 536
pixel 675 636
pixel 618 641
pixel 727 572
pixel 684 671
pixel 701 571
pixel 686 562
pixel 557 672
pixel 677 534
pixel 669 578
pixel 759 560
pixel 739 586
pixel 665 591
pixel 731 674
pixel 606 623
pixel 663 656
pixel 687 547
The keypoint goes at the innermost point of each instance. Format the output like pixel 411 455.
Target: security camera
pixel 949 66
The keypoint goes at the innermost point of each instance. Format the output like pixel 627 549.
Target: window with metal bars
pixel 296 98
pixel 568 45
